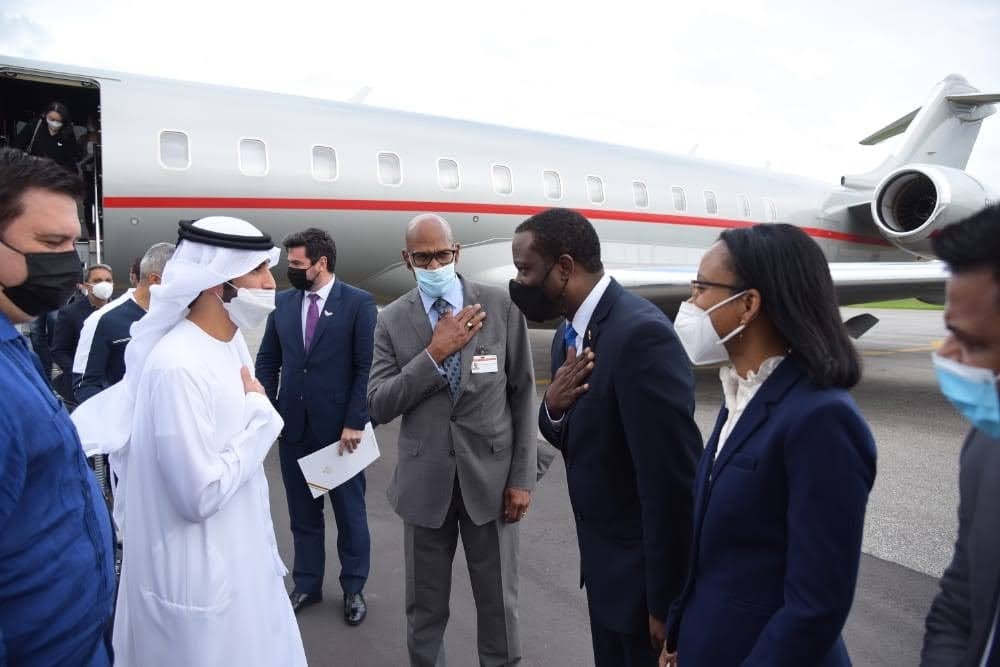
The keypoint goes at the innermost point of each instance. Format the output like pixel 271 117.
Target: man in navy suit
pixel 620 408
pixel 319 339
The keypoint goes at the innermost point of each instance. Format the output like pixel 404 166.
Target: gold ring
pixel 468 325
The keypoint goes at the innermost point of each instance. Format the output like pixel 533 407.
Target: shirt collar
pixel 738 390
pixel 324 291
pixel 7 330
pixel 453 295
pixel 586 310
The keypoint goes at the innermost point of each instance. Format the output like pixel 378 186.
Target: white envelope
pixel 325 469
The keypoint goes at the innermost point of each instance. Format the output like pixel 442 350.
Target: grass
pixel 901 304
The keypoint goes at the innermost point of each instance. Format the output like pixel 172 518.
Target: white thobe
pixel 201 579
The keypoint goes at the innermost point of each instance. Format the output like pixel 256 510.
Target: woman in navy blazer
pixel 781 489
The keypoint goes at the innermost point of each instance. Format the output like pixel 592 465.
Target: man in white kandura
pixel 189 428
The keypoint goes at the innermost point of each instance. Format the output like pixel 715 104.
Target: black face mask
pixel 531 299
pixel 298 279
pixel 52 279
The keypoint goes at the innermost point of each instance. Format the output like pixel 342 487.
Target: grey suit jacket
pixel 962 613
pixel 486 437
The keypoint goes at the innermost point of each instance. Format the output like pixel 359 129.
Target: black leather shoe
pixel 355 608
pixel 302 600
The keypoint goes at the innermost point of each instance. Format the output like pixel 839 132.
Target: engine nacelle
pixel 914 201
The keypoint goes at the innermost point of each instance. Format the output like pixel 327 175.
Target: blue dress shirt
pixel 56 561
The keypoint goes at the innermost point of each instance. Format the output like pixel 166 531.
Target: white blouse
pixel 739 391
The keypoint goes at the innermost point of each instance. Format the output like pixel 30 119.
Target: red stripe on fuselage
pixel 298 204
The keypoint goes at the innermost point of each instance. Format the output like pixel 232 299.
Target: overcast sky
pixel 755 82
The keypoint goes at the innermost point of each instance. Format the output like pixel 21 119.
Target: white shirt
pixel 87 332
pixel 201 581
pixel 581 320
pixel 739 391
pixel 455 298
pixel 985 660
pixel 580 323
pixel 324 294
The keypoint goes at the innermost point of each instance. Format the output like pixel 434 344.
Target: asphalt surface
pixel 909 530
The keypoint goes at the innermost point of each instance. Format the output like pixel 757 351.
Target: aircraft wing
pixel 855 282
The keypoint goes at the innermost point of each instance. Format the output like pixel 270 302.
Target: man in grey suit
pixel 962 627
pixel 452 358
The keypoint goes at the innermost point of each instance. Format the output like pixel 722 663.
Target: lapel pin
pixel 327 313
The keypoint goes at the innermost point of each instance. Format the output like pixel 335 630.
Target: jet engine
pixel 914 201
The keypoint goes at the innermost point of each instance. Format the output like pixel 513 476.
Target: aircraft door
pixel 26 98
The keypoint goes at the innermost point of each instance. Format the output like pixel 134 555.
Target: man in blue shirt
pixel 56 562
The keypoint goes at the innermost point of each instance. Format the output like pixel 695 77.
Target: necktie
pixel 453 364
pixel 312 317
pixel 569 336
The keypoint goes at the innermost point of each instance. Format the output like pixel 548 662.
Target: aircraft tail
pixel 941 132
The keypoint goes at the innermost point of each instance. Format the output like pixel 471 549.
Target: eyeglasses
pixel 422 259
pixel 699 285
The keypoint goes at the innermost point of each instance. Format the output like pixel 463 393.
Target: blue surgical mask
pixel 434 283
pixel 973 391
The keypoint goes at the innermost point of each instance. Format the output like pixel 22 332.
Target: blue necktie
pixel 569 336
pixel 453 364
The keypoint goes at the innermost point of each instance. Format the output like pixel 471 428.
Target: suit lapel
pixel 329 311
pixel 418 318
pixel 985 555
pixel 774 388
pixel 470 295
pixel 601 313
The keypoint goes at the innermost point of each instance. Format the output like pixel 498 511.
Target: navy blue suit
pixel 778 523
pixel 321 392
pixel 630 445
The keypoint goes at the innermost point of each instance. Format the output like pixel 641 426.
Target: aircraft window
pixel 744 204
pixel 770 209
pixel 324 163
pixel 640 195
pixel 175 150
pixel 595 189
pixel 448 175
pixel 553 184
pixel 503 182
pixel 711 203
pixel 680 199
pixel 389 170
pixel 253 157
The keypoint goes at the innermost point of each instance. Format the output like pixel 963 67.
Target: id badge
pixel 484 363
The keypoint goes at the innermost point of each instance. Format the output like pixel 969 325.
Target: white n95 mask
pixel 103 291
pixel 698 336
pixel 250 308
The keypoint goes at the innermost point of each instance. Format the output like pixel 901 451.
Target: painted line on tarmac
pixel 934 346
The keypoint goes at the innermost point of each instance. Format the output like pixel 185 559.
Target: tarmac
pixel 909 530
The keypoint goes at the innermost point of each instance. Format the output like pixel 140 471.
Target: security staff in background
pixel 97 288
pixel 106 359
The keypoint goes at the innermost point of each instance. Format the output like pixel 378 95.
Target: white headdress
pixel 210 252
